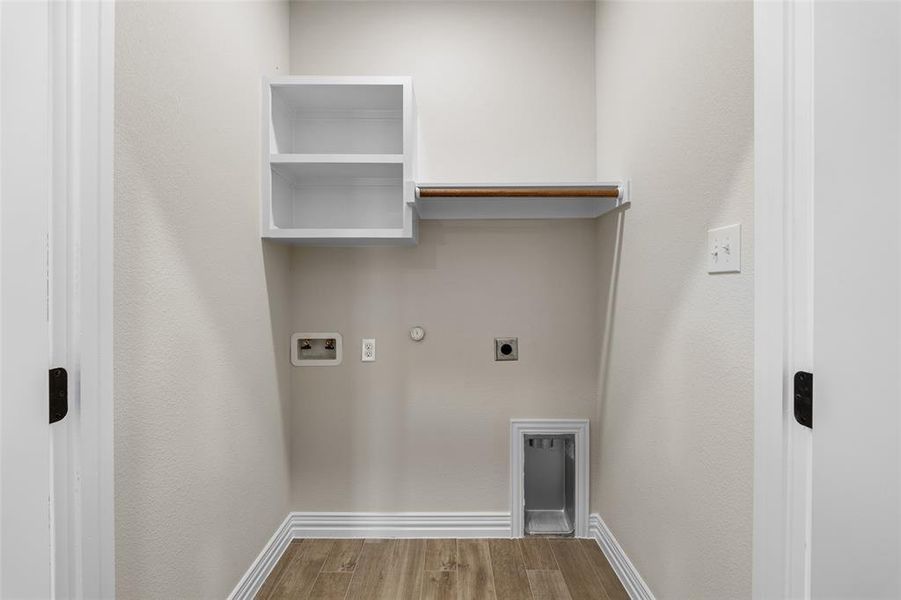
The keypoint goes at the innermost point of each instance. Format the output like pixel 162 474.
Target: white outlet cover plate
pixel 724 249
pixel 367 350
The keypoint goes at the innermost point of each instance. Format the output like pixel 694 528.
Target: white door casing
pixel 56 116
pixel 783 123
pixel 81 297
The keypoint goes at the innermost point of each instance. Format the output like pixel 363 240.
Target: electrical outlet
pixel 724 249
pixel 367 351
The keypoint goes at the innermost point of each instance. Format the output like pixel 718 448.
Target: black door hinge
pixel 59 394
pixel 804 398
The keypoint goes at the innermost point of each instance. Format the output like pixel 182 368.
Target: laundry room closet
pixel 432 269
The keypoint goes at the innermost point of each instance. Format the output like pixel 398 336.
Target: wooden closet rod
pixel 606 191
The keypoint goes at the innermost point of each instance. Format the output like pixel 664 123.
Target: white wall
pixel 201 380
pixel 504 91
pixel 672 467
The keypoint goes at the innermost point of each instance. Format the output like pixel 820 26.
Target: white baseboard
pixel 367 525
pixel 616 556
pixel 400 525
pixel 260 568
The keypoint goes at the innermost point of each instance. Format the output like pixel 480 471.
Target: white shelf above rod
pixel 283 159
pixel 518 201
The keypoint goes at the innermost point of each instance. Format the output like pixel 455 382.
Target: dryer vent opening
pixel 549 484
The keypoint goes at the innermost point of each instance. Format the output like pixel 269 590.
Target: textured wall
pixel 673 466
pixel 201 401
pixel 424 428
pixel 504 91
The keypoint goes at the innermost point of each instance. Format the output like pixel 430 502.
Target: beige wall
pixel 672 471
pixel 504 91
pixel 424 428
pixel 200 424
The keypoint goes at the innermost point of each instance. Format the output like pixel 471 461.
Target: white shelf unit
pixel 338 160
pixel 437 201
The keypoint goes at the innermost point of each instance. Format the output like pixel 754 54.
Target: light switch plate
pixel 724 249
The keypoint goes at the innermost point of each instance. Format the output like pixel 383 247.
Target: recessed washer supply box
pixel 316 349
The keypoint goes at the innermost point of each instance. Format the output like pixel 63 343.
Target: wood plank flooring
pixel 402 569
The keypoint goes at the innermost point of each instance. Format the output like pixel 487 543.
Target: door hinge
pixel 59 394
pixel 804 398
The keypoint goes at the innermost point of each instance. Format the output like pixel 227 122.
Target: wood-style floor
pixel 526 569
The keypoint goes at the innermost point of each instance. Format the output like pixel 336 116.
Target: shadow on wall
pixel 276 264
pixel 610 245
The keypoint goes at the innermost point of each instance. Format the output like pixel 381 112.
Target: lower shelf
pixel 343 237
pixel 339 204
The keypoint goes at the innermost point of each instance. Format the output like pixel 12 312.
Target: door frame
pixel 783 284
pixel 81 292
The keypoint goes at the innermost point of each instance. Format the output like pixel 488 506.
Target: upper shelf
pixel 352 115
pixel 315 94
pixel 518 201
pixel 335 158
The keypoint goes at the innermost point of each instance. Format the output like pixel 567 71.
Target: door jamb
pixel 84 539
pixel 783 203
